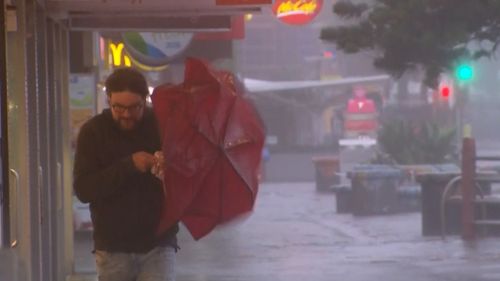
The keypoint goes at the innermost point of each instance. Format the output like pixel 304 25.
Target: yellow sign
pixel 296 6
pixel 296 12
pixel 116 55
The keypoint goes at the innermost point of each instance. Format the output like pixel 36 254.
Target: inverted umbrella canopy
pixel 212 144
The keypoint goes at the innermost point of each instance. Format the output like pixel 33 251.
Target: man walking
pixel 114 156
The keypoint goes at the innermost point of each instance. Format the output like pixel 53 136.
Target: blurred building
pixel 304 119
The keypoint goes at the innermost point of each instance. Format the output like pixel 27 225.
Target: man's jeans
pixel 156 265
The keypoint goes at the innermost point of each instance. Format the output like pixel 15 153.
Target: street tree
pixel 434 36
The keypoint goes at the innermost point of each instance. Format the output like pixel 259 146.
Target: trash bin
pixel 432 186
pixel 343 198
pixel 374 189
pixel 326 170
pixel 409 198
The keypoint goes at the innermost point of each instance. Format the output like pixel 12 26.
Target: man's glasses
pixel 131 108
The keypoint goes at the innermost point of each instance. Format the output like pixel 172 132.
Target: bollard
pixel 467 186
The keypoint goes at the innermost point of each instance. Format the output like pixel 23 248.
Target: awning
pixel 151 15
pixel 260 86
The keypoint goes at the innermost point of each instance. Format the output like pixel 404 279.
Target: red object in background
pixel 360 116
pixel 445 91
pixel 360 125
pixel 361 105
pixel 297 12
pixel 242 2
pixel 237 31
pixel 212 144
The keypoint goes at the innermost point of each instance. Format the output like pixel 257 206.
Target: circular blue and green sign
pixel 155 48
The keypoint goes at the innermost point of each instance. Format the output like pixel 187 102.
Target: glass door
pixel 4 179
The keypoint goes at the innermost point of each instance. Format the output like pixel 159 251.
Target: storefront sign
pixel 117 56
pixel 237 31
pixel 297 12
pixel 156 49
pixel 241 2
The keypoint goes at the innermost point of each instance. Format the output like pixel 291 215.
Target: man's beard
pixel 127 124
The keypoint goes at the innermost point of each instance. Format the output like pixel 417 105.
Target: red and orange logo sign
pixel 297 12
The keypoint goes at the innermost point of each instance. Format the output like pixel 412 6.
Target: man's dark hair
pixel 127 79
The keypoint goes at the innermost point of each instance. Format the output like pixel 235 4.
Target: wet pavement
pixel 295 234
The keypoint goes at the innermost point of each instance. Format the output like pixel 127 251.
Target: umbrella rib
pixel 239 174
pixel 225 152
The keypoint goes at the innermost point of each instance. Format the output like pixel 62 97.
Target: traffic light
pixel 445 91
pixel 464 72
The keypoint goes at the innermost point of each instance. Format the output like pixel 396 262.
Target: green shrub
pixel 407 142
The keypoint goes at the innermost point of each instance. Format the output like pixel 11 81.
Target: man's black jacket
pixel 125 203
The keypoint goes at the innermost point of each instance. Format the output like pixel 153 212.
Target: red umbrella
pixel 212 144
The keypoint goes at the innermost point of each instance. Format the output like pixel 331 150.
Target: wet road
pixel 295 234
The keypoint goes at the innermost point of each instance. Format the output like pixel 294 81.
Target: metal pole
pixel 468 176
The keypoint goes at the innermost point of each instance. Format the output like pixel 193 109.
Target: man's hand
pixel 143 161
pixel 157 168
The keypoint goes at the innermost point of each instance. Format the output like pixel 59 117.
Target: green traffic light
pixel 464 72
